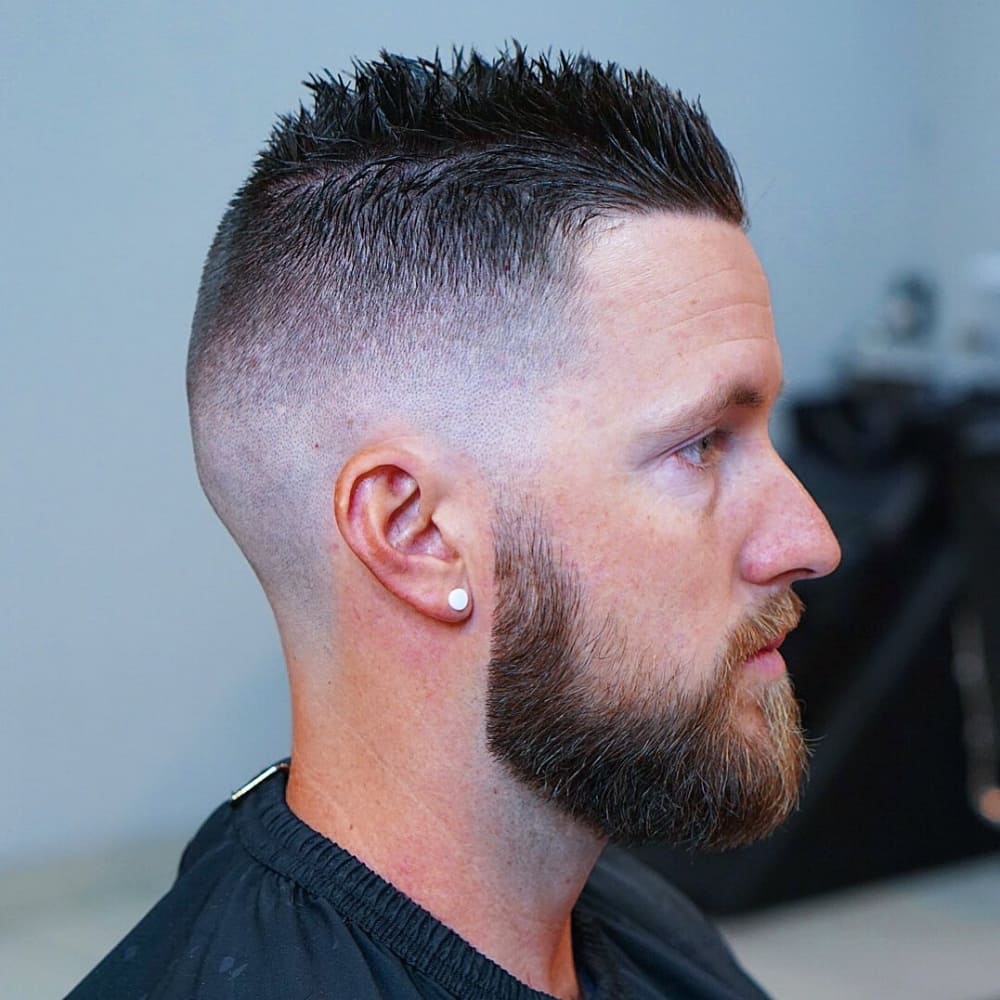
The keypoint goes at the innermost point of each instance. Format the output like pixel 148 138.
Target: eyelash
pixel 714 442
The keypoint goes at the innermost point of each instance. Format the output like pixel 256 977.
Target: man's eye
pixel 703 452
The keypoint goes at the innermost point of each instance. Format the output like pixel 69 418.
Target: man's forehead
pixel 669 269
pixel 678 316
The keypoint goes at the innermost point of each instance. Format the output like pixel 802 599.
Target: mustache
pixel 768 624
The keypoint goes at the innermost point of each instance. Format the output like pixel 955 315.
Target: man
pixel 480 378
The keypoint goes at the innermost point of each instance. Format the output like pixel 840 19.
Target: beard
pixel 617 741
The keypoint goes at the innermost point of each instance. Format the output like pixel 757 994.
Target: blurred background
pixel 142 677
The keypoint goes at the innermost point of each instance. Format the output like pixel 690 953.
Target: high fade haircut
pixel 404 252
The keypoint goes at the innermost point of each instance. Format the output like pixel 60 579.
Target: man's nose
pixel 791 538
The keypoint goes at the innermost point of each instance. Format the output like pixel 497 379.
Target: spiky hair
pixel 658 149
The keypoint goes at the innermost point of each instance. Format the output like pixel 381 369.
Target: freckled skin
pixel 677 554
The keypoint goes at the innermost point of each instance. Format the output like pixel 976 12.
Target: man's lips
pixel 756 642
pixel 767 660
pixel 772 646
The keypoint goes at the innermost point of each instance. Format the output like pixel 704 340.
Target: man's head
pixel 525 281
pixel 405 252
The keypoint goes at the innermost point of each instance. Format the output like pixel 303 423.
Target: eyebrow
pixel 705 411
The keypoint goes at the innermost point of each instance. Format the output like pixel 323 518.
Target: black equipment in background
pixel 977 624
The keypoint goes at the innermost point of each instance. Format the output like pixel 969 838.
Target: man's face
pixel 655 556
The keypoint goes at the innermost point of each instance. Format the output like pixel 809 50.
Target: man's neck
pixel 465 841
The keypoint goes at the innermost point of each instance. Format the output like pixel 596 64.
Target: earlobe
pixel 386 507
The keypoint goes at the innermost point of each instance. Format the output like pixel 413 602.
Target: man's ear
pixel 385 503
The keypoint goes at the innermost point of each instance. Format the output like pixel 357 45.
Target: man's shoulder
pixel 660 931
pixel 260 909
pixel 229 927
pixel 169 944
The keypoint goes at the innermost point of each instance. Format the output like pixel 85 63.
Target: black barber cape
pixel 264 907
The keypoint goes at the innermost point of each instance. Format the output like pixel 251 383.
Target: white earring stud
pixel 458 599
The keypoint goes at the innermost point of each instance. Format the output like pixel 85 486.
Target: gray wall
pixel 961 187
pixel 141 672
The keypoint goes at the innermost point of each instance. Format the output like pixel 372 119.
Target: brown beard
pixel 583 723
